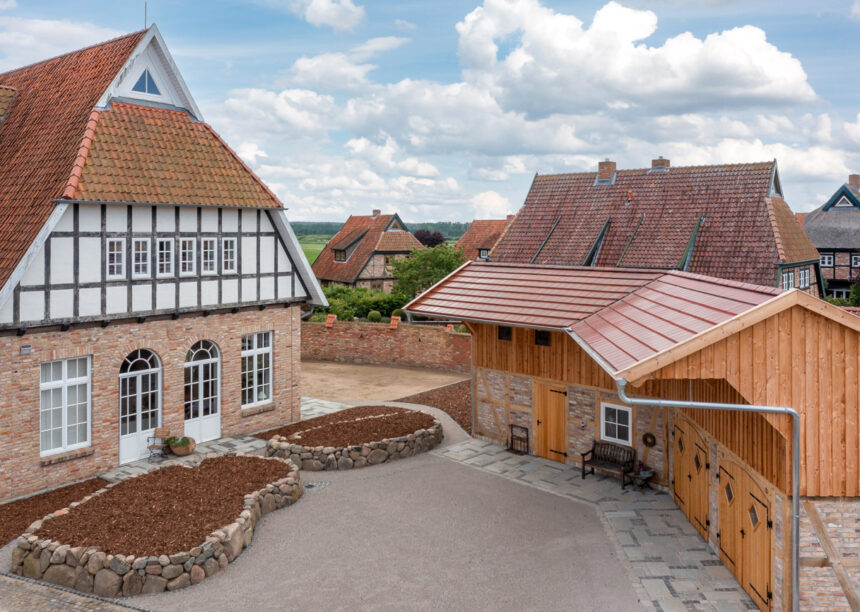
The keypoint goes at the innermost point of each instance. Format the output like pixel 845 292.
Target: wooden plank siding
pixel 796 358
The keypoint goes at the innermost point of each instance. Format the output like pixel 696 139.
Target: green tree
pixel 422 268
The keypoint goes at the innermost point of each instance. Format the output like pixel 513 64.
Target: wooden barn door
pixel 745 522
pixel 690 475
pixel 550 421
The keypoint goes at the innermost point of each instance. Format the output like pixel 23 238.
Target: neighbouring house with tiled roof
pixel 726 221
pixel 482 236
pixel 361 253
pixel 834 228
pixel 148 279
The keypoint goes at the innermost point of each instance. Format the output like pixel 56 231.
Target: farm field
pixel 312 245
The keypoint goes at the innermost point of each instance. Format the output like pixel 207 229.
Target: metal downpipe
pixel 621 384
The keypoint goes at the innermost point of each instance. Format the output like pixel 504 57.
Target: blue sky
pixel 445 110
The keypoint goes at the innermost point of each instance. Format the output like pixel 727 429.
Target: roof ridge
pixel 87 139
pixel 88 47
pixel 725 281
pixel 645 169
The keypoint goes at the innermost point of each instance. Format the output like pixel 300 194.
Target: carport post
pixel 795 463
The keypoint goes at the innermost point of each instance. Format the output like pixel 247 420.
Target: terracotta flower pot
pixel 182 451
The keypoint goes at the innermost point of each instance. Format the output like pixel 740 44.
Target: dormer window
pixel 483 253
pixel 339 255
pixel 146 84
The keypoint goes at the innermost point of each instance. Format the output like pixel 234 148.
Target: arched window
pixel 203 391
pixel 139 402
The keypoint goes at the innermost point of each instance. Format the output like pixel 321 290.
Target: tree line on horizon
pixel 450 230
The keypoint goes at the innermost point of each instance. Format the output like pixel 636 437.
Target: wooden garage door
pixel 745 527
pixel 550 421
pixel 690 476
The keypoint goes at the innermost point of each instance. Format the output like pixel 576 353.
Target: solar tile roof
pixel 624 315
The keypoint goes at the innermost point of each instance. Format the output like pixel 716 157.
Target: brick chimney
pixel 854 180
pixel 376 212
pixel 605 170
pixel 511 218
pixel 660 163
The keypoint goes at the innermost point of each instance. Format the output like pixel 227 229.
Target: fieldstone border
pixel 316 458
pixel 89 570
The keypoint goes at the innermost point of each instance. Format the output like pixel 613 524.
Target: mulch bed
pixel 454 399
pixel 353 426
pixel 167 511
pixel 16 516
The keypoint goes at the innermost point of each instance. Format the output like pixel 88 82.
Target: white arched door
pixel 139 403
pixel 203 392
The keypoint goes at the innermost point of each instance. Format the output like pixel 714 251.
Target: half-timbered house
pixel 147 277
pixel 712 382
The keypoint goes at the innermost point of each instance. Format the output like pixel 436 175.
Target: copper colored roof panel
pixel 624 315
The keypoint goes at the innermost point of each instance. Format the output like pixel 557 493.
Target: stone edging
pixel 316 458
pixel 88 570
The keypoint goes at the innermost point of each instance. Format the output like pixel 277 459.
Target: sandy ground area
pixel 349 382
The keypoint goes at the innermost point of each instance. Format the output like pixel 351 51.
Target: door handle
pixel 743 533
pixel 539 421
pixel 689 477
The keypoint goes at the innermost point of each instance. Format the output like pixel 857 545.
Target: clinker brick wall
pixel 408 345
pixel 21 470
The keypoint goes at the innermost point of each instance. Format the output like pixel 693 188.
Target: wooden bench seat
pixel 609 457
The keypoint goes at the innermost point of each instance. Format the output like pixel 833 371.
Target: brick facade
pixel 821 587
pixel 408 345
pixel 23 472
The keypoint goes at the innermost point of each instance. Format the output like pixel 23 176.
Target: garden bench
pixel 611 458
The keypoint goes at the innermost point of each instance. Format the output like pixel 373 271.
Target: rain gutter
pixel 621 385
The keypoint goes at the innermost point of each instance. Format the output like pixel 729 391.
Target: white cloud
pixel 490 205
pixel 855 10
pixel 381 156
pixel 296 113
pixel 6 5
pixel 250 152
pixel 403 25
pixel 609 64
pixel 25 41
pixel 337 14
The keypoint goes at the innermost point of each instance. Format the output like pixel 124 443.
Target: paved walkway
pixel 672 568
pixel 20 594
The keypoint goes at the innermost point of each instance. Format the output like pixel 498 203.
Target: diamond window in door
pixel 697 462
pixel 681 445
pixel 753 515
pixel 730 494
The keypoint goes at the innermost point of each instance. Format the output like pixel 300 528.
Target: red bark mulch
pixel 454 399
pixel 16 516
pixel 353 426
pixel 167 511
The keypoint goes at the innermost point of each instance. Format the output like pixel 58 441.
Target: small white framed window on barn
pixel 186 256
pixel 803 278
pixel 855 261
pixel 826 261
pixel 140 258
pixel 256 369
pixel 207 256
pixel 616 424
pixel 165 257
pixel 788 280
pixel 228 255
pixel 483 253
pixel 64 405
pixel 115 258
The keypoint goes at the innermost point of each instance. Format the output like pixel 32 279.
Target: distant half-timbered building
pixel 147 277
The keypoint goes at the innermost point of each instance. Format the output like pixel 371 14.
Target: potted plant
pixel 181 446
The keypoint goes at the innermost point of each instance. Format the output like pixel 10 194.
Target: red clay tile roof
pixel 7 96
pixel 482 234
pixel 800 217
pixel 792 243
pixel 624 315
pixel 145 154
pixel 853 310
pixel 40 136
pixel 654 218
pixel 373 238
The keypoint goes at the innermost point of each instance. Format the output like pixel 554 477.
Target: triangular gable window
pixel 146 84
pixel 843 203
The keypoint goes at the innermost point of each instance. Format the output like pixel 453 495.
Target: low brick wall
pixel 89 570
pixel 316 458
pixel 375 343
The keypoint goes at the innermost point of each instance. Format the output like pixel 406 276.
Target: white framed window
pixel 228 255
pixel 115 258
pixel 483 253
pixel 616 424
pixel 855 261
pixel 140 257
pixel 64 405
pixel 187 247
pixel 788 280
pixel 803 278
pixel 256 369
pixel 841 293
pixel 207 256
pixel 165 257
pixel 827 261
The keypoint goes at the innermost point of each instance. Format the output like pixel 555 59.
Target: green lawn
pixel 312 246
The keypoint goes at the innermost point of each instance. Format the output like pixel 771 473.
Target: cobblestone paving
pixel 20 595
pixel 672 568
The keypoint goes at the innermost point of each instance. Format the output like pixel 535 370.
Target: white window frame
pixel 208 246
pixel 108 263
pixel 182 251
pixel 169 267
pixel 483 253
pixel 134 263
pixel 826 261
pixel 840 293
pixel 855 261
pixel 64 383
pixel 253 353
pixel 788 280
pixel 228 264
pixel 615 439
pixel 803 278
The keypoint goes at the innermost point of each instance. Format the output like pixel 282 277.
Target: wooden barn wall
pixel 800 359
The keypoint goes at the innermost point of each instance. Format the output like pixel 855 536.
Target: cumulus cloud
pixel 490 205
pixel 382 157
pixel 337 14
pixel 855 10
pixel 608 64
pixel 6 5
pixel 296 113
pixel 25 41
pixel 403 25
pixel 250 152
